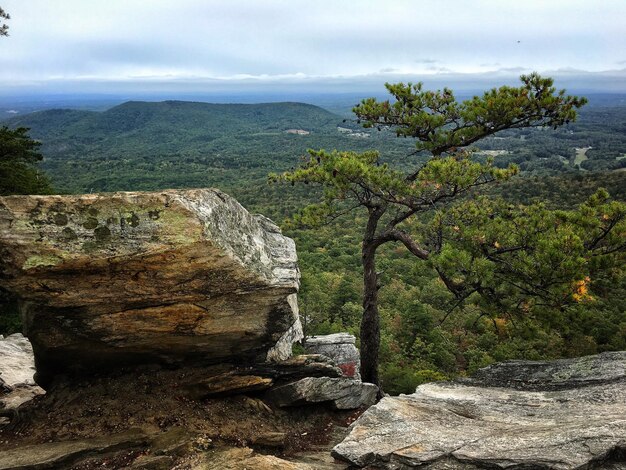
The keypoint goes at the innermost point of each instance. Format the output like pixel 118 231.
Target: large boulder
pixel 108 280
pixel 565 414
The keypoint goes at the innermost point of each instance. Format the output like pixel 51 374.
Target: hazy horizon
pixel 285 48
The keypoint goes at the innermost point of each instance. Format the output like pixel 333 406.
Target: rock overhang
pixel 169 276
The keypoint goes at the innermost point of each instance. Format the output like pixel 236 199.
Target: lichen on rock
pixel 178 276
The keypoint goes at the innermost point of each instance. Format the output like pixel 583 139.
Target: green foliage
pixel 441 124
pixel 4 28
pixel 18 156
pixel 151 146
pixel 503 258
pixel 518 257
pixel 399 379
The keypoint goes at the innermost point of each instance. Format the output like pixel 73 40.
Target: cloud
pixel 517 69
pixel 440 69
pixel 211 39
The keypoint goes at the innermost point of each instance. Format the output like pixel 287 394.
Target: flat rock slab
pixel 454 424
pixel 62 454
pixel 180 276
pixel 342 393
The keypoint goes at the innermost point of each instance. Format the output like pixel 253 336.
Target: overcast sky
pixel 293 40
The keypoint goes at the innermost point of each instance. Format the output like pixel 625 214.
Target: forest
pixel 173 144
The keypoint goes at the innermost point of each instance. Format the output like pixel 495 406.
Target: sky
pixel 100 45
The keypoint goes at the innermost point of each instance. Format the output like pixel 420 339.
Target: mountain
pixel 169 126
pixel 142 145
pixel 153 145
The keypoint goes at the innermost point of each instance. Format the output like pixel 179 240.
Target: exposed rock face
pixel 342 393
pixel 125 278
pixel 340 348
pixel 565 414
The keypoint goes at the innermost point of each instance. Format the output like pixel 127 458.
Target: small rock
pixel 17 367
pixel 17 363
pixel 270 439
pixel 340 347
pixel 227 384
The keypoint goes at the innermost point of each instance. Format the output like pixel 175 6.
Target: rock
pixel 246 459
pixel 297 367
pixel 342 393
pixel 152 462
pixel 227 384
pixel 469 424
pixel 17 367
pixel 270 439
pixel 600 369
pixel 17 364
pixel 340 348
pixel 180 276
pixel 63 454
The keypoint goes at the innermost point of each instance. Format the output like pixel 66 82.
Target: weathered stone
pixel 600 369
pixel 171 277
pixel 342 393
pixel 17 364
pixel 226 384
pixel 340 348
pixel 17 367
pixel 581 424
pixel 270 439
pixel 297 367
pixel 245 459
pixel 63 454
pixel 152 462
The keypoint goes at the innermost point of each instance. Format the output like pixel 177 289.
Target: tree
pixel 18 156
pixel 397 201
pixel 4 28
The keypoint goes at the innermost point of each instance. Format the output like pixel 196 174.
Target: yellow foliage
pixel 581 290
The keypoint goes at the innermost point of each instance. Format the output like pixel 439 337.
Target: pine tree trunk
pixel 370 323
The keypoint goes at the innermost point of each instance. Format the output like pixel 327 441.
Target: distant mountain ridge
pixel 157 123
pixel 178 144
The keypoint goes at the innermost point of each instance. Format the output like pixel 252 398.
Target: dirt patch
pixel 155 402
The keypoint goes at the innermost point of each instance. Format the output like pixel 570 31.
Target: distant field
pixel 581 155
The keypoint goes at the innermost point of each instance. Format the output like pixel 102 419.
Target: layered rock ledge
pixel 565 414
pixel 170 277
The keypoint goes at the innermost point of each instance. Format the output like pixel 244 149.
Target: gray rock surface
pixel 568 414
pixel 340 347
pixel 342 393
pixel 17 364
pixel 180 276
pixel 17 367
